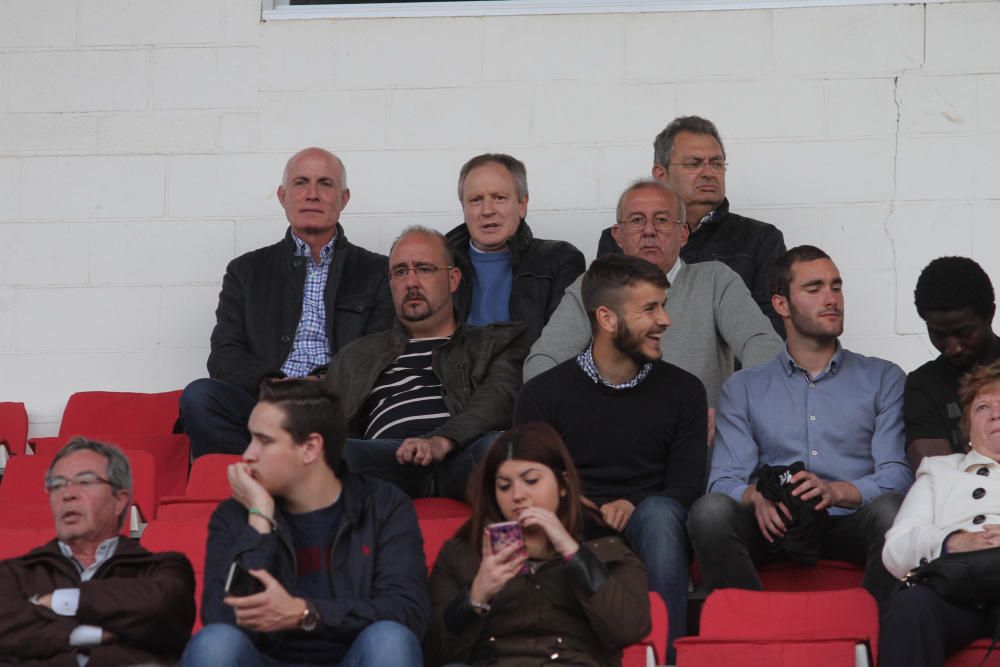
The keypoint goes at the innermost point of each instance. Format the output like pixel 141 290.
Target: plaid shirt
pixel 585 360
pixel 311 347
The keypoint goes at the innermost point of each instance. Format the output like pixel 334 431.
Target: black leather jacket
pixel 479 368
pixel 542 270
pixel 747 246
pixel 260 306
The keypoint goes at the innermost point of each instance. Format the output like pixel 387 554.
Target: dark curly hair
pixel 952 283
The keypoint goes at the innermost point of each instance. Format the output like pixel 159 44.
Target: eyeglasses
pixel 715 164
pixel 83 481
pixel 399 273
pixel 661 223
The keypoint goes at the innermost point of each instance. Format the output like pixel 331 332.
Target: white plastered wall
pixel 141 143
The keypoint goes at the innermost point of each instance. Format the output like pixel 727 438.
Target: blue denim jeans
pixel 445 479
pixel 381 643
pixel 656 532
pixel 215 415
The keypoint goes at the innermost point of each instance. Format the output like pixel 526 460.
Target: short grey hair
pixel 509 162
pixel 426 231
pixel 119 471
pixel 653 184
pixel 330 156
pixel 663 145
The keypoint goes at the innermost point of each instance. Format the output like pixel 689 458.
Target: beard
pixel 814 327
pixel 415 312
pixel 630 344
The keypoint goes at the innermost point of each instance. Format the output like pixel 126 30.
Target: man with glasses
pixel 507 273
pixel 285 310
pixel 425 400
pixel 713 317
pixel 91 595
pixel 688 155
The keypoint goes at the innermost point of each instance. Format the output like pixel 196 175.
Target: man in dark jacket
pixel 91 596
pixel 425 400
pixel 688 155
pixel 287 309
pixel 338 556
pixel 507 273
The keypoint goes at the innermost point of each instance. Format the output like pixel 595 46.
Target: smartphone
pixel 504 534
pixel 241 583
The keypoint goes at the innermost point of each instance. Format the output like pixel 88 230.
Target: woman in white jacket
pixel 953 506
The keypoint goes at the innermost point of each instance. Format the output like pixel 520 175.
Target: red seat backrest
pixel 441 508
pixel 24 480
pixel 208 479
pixel 13 426
pixel 94 412
pixel 190 537
pixel 731 613
pixel 16 542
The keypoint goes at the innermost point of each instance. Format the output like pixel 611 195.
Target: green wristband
pixel 271 521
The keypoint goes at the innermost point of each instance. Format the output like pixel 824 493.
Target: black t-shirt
pixel 313 534
pixel 930 404
pixel 649 440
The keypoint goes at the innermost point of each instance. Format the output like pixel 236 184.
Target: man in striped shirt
pixel 425 400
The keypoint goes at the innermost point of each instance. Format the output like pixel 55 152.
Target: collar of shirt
pixel 674 270
pixel 302 249
pixel 791 366
pixel 585 360
pixel 104 551
pixel 973 461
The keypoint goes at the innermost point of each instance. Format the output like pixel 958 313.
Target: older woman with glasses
pixel 954 506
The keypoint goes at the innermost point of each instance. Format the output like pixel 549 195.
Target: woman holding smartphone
pixel 552 596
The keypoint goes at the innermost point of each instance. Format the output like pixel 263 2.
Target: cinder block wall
pixel 141 143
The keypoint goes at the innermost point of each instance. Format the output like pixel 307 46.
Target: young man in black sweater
pixel 634 424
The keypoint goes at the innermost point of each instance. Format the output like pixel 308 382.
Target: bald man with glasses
pixel 425 400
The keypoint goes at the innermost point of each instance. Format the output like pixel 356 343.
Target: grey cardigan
pixel 713 320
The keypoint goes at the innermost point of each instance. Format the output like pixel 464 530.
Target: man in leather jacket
pixel 91 596
pixel 507 273
pixel 425 400
pixel 287 309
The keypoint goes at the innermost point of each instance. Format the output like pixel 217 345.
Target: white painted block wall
pixel 141 143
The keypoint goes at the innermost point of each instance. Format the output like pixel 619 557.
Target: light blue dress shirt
pixel 844 424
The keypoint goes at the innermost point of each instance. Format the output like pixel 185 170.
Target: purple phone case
pixel 504 534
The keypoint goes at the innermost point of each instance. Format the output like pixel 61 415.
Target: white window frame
pixel 278 10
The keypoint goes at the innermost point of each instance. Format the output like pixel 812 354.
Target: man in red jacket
pixel 90 596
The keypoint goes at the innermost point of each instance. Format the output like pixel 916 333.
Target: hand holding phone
pixel 240 583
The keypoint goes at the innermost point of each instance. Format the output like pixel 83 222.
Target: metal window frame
pixel 278 10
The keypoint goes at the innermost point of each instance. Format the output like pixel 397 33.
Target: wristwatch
pixel 310 619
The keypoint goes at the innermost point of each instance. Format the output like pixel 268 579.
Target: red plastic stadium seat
pixel 782 629
pixel 973 654
pixel 435 533
pixel 826 575
pixel 19 541
pixel 637 655
pixel 13 427
pixel 207 486
pixel 441 508
pixel 126 412
pixel 190 538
